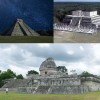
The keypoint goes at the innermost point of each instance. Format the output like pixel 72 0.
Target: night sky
pixel 36 13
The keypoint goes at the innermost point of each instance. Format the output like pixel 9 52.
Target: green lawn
pixel 26 39
pixel 16 96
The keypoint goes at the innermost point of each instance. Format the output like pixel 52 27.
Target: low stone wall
pixel 10 89
pixel 26 89
pixel 93 86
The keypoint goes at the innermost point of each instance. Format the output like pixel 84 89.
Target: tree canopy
pixel 20 76
pixel 32 72
pixel 62 69
pixel 86 74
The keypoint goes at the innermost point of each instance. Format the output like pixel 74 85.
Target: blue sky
pixel 77 0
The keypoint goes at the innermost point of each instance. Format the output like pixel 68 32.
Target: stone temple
pixel 53 79
pixel 20 28
pixel 80 21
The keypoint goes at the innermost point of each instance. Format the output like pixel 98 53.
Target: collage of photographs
pixel 49 50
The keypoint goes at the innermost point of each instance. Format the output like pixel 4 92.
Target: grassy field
pixel 16 96
pixel 26 39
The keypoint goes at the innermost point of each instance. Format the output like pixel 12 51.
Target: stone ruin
pixel 80 21
pixel 20 28
pixel 54 80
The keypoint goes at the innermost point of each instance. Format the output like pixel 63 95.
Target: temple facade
pixel 80 21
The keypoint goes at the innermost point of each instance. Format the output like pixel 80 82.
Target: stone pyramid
pixel 21 29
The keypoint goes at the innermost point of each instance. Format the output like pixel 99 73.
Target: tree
pixel 7 74
pixel 32 72
pixel 62 69
pixel 20 76
pixel 86 74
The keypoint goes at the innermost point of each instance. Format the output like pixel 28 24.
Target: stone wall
pixel 10 89
pixel 93 86
pixel 69 81
pixel 68 89
pixel 26 89
pixel 54 89
pixel 48 71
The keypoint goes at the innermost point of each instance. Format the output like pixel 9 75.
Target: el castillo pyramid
pixel 19 28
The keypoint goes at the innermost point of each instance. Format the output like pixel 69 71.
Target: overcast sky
pixel 24 57
pixel 76 0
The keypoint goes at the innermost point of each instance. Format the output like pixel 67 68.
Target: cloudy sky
pixel 77 0
pixel 24 57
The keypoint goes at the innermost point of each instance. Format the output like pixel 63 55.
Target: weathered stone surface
pixel 68 89
pixel 93 86
pixel 48 67
pixel 48 63
pixel 54 89
pixel 62 81
pixel 14 83
pixel 26 89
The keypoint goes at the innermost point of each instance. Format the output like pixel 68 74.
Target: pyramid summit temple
pixel 80 21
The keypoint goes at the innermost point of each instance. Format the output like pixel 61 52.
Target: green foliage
pixel 7 74
pixel 32 72
pixel 62 69
pixel 19 76
pixel 60 14
pixel 86 74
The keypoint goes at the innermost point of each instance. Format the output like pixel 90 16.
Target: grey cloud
pixel 58 51
pixel 32 55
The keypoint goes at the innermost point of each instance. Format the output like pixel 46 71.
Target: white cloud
pixel 71 52
pixel 43 45
pixel 82 48
pixel 22 71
